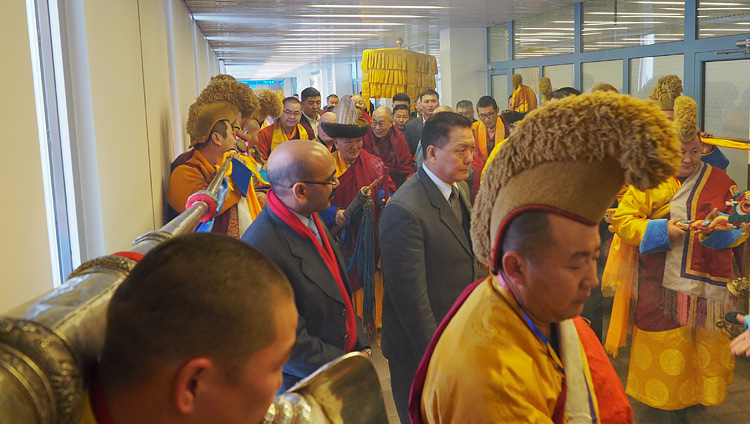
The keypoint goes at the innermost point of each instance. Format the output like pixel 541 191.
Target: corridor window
pixel 716 19
pixel 646 71
pixel 498 42
pixel 544 34
pixel 610 24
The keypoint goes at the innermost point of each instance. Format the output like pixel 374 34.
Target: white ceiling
pixel 272 38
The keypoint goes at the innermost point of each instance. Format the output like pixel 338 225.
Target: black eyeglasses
pixel 333 183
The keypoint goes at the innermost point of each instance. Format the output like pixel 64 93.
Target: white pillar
pixel 342 78
pixel 463 65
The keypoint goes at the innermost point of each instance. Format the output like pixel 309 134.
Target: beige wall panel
pixel 158 101
pixel 187 89
pixel 24 251
pixel 119 120
pixel 202 59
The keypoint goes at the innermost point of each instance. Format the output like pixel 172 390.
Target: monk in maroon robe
pixel 389 144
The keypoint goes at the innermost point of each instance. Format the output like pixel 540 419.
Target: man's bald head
pixel 443 108
pixel 294 161
pixel 382 121
pixel 327 118
pixel 382 111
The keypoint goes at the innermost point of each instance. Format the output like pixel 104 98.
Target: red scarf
pixel 329 257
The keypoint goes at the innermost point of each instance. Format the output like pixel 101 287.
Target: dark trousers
pixel 402 375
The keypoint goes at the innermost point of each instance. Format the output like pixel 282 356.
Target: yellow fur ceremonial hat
pixel 270 105
pixel 223 88
pixel 666 90
pixel 686 118
pixel 545 87
pixel 603 86
pixel 570 158
pixel 516 79
pixel 208 115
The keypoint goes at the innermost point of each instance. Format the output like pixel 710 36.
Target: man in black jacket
pixel 288 230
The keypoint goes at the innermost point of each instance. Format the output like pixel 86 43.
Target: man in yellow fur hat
pixel 667 89
pixel 524 354
pixel 523 98
pixel 215 127
pixel 679 358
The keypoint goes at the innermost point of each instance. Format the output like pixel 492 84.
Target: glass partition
pixel 500 90
pixel 726 110
pixel 609 24
pixel 530 78
pixel 609 72
pixel 723 18
pixel 646 71
pixel 544 34
pixel 560 75
pixel 498 42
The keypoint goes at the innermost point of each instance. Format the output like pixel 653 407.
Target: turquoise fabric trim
pixel 656 237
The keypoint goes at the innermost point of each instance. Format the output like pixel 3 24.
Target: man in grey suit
pixel 413 129
pixel 425 249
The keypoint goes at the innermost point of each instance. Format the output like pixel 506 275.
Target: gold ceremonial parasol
pixel 386 72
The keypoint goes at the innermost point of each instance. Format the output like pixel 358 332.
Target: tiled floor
pixel 381 366
pixel 736 410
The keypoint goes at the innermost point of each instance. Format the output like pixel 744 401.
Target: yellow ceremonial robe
pixel 492 155
pixel 671 366
pixel 489 367
pixel 523 99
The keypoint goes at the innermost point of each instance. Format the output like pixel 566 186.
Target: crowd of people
pixel 470 250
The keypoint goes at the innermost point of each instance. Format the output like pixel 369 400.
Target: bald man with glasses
pixel 290 232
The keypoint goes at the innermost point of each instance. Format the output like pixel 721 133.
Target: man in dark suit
pixel 425 249
pixel 413 129
pixel 310 108
pixel 290 233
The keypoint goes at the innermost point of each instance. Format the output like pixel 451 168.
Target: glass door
pixel 500 92
pixel 725 106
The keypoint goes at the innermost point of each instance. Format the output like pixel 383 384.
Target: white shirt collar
pixel 305 220
pixel 313 123
pixel 444 187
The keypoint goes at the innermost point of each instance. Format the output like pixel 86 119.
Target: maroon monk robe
pixel 394 151
pixel 366 169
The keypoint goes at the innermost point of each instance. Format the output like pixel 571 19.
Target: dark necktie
pixel 456 204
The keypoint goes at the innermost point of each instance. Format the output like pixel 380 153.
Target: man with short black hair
pixel 197 332
pixel 303 178
pixel 466 109
pixel 400 116
pixel 403 99
pixel 426 253
pixel 287 127
pixel 429 100
pixel 488 131
pixel 564 92
pixel 310 108
pixel 331 101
